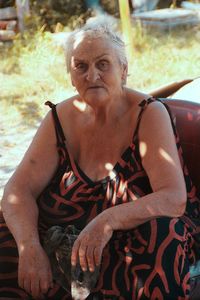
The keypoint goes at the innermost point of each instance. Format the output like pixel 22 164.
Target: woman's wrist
pixel 30 243
pixel 109 220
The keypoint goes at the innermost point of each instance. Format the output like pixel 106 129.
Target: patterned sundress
pixel 149 262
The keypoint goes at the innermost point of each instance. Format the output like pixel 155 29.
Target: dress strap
pixel 172 117
pixel 143 104
pixel 59 131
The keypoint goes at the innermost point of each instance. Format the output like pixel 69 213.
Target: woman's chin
pixel 96 100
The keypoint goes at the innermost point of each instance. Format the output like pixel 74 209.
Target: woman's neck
pixel 106 112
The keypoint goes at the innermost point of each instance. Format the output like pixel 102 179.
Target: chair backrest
pixel 187 115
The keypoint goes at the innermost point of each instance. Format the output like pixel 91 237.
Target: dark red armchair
pixel 187 118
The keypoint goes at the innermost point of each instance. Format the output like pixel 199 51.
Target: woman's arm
pixel 161 162
pixel 31 176
pixel 20 209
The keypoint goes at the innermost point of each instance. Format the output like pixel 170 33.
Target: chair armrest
pixel 169 89
pixel 195 281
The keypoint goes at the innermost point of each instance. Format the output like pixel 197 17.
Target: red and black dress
pixel 148 262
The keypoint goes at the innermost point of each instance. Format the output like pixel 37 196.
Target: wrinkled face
pixel 95 69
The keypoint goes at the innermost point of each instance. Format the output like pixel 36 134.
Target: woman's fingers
pixel 46 279
pixel 83 254
pixel 88 247
pixel 36 286
pixel 90 258
pixel 97 255
pixel 82 257
pixel 74 255
pixel 20 281
pixel 27 285
pixel 35 289
pixel 46 282
pixel 34 273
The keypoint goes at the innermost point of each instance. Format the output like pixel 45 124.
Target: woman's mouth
pixel 94 87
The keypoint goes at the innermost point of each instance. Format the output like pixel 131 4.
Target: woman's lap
pixel 8 265
pixel 154 264
pixel 151 262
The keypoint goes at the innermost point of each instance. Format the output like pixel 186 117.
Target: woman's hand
pixel 34 271
pixel 89 245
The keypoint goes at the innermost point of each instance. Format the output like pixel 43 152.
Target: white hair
pixel 97 27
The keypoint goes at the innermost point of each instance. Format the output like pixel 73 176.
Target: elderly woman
pixel 106 161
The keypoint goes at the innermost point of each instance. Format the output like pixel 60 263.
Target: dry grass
pixel 163 57
pixel 33 69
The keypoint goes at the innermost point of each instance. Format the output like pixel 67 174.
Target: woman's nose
pixel 92 74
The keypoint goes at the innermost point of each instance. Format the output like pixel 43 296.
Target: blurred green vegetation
pixel 32 68
pixel 6 3
pixel 68 13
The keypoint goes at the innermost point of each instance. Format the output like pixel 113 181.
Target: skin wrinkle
pixel 32 161
pixel 77 37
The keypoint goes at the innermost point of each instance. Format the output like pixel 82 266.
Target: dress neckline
pixel 115 170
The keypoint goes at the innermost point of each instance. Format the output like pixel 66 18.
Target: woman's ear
pixel 72 82
pixel 124 73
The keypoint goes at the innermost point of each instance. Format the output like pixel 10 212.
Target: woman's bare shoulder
pixel 69 109
pixel 68 104
pixel 136 97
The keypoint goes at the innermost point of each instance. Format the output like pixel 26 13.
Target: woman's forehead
pixel 88 45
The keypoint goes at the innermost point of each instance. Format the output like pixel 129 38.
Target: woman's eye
pixel 81 67
pixel 103 65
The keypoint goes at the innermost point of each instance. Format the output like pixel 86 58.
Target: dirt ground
pixel 15 136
